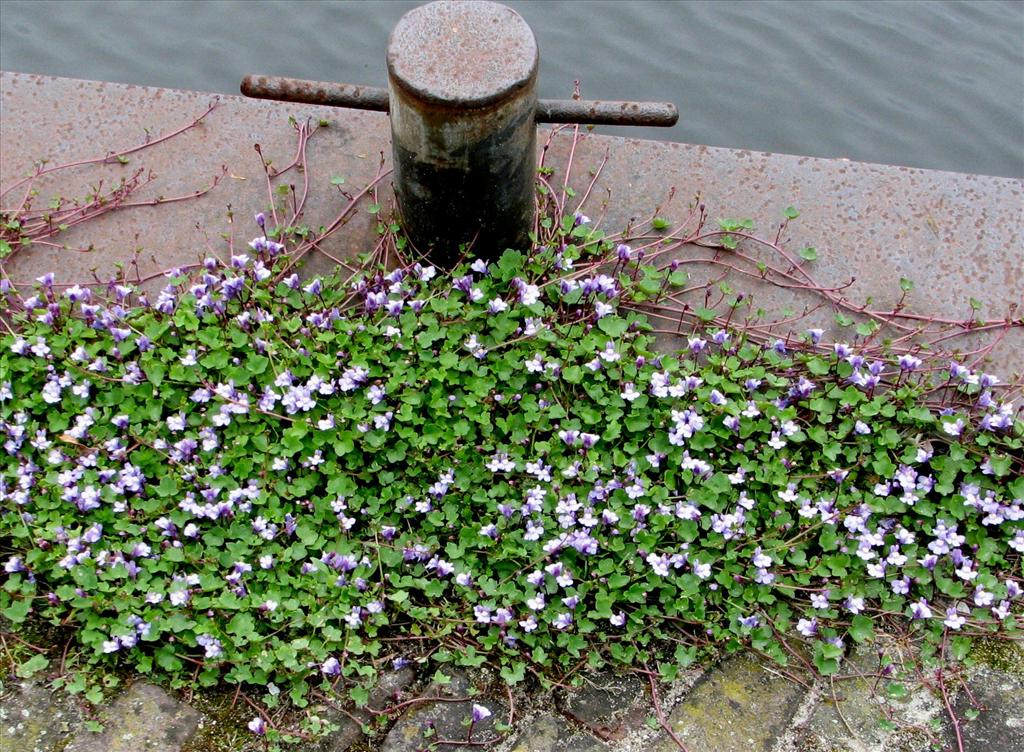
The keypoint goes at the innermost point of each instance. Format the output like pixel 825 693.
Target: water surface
pixel 928 84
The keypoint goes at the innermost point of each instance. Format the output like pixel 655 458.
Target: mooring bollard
pixel 462 94
pixel 462 97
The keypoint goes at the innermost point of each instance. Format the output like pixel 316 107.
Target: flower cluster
pixel 244 460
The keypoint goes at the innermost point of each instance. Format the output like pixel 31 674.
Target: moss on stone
pixel 999 654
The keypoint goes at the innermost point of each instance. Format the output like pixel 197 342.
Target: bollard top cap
pixel 471 53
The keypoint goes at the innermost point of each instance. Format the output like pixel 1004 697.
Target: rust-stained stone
pixel 64 120
pixel 956 236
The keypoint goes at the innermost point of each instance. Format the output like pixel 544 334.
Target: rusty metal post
pixel 462 97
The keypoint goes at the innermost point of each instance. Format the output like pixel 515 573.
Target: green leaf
pixel 572 374
pixel 513 674
pixel 843 320
pixel 256 364
pixel 669 672
pixel 861 628
pixel 155 372
pixel 216 360
pixel 613 326
pixel 896 690
pixel 510 264
pixel 1000 465
pixel 960 648
pixel 166 659
pixel 18 610
pixel 809 254
pixel 32 666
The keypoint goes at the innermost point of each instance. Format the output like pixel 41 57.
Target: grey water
pixel 928 84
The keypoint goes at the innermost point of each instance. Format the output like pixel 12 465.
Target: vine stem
pixel 945 696
pixel 662 721
pixel 108 159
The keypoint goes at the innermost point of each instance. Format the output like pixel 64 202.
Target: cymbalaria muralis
pixel 245 476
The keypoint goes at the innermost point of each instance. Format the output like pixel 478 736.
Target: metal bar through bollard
pixel 592 112
pixel 461 95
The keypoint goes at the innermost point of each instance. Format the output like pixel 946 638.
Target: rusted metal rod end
pixel 659 114
pixel 462 80
pixel 315 92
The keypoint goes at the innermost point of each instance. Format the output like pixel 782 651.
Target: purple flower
pixel 953 620
pixel 953 428
pixel 569 436
pixel 562 621
pixel 479 713
pixel 819 600
pixel 920 610
pixel 258 726
pixel 807 627
pixel 909 363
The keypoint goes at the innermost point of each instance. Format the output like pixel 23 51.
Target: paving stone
pixel 143 719
pixel 849 714
pixel 999 726
pixel 549 733
pixel 35 719
pixel 423 725
pixel 737 706
pixel 609 705
pixel 389 685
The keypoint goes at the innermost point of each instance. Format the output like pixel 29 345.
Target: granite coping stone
pixel 956 236
pixel 740 705
pixel 389 687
